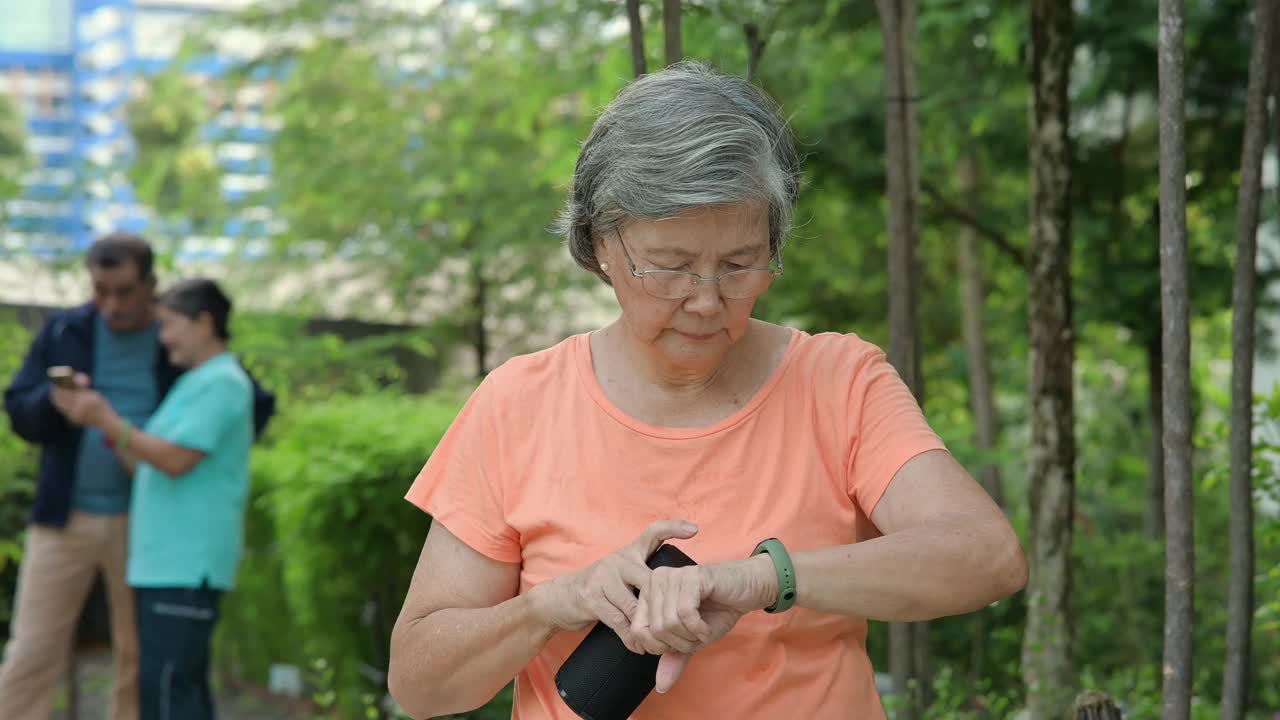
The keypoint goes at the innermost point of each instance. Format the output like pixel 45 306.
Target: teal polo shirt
pixel 188 530
pixel 124 371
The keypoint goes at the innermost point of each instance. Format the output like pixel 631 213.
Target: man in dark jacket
pixel 79 521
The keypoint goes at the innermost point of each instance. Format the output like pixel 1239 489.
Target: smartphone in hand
pixel 63 377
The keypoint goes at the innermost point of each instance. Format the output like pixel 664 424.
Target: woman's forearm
pixel 454 660
pixel 127 460
pixel 134 444
pixel 949 567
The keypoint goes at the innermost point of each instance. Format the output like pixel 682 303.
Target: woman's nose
pixel 705 299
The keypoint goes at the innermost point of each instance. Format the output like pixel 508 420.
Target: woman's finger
pixel 688 607
pixel 613 617
pixel 663 597
pixel 642 634
pixel 620 595
pixel 634 574
pixel 659 532
pixel 674 602
pixel 670 667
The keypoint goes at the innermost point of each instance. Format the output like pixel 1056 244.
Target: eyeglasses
pixel 680 284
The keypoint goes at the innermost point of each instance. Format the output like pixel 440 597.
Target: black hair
pixel 118 248
pixel 200 295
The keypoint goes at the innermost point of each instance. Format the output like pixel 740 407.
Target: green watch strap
pixel 786 574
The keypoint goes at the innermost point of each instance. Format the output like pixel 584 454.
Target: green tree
pixel 14 160
pixel 175 171
pixel 424 167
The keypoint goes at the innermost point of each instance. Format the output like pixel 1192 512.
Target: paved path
pixel 95 680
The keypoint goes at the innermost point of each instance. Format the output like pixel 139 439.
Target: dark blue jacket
pixel 67 339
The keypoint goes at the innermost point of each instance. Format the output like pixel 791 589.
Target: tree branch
pixel 671 31
pixel 943 207
pixel 755 48
pixel 637 37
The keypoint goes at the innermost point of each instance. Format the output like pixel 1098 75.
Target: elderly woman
pixel 688 420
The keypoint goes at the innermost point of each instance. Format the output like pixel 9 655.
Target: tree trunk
pixel 1180 549
pixel 671 30
pixel 981 390
pixel 1153 517
pixel 921 666
pixel 1235 677
pixel 1093 705
pixel 637 37
pixel 479 310
pixel 1046 652
pixel 907 27
pixel 902 175
pixel 755 48
pixel 907 645
pixel 909 95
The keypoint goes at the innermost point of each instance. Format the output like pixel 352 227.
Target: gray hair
pixel 683 138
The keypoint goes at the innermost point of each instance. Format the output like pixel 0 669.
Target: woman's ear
pixel 602 254
pixel 598 242
pixel 205 321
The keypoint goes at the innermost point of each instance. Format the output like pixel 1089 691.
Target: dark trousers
pixel 174 629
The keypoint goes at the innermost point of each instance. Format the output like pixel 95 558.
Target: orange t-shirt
pixel 541 469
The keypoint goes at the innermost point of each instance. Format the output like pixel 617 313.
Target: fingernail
pixel 690 527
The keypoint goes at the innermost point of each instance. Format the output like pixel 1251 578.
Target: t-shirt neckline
pixel 587 375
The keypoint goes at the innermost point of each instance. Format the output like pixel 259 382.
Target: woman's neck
pixel 212 350
pixel 671 378
pixel 662 394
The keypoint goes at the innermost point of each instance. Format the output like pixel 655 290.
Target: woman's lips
pixel 698 336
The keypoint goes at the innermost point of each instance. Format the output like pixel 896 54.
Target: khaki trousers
pixel 58 568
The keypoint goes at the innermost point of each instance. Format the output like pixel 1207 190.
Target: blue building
pixel 72 66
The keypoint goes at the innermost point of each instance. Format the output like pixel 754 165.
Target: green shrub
pixel 257 627
pixel 300 366
pixel 17 473
pixel 331 542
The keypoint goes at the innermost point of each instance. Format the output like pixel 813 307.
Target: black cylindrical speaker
pixel 602 679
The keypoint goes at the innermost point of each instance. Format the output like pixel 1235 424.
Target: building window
pixel 42 27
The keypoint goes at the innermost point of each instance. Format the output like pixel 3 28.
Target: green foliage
pixel 332 543
pixel 299 366
pixel 956 698
pixel 337 97
pixel 13 150
pixel 17 473
pixel 175 172
pixel 1119 583
pixel 435 178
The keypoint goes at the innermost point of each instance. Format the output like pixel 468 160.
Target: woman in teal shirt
pixel 191 483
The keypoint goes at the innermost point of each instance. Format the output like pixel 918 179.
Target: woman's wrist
pixel 110 424
pixel 540 602
pixel 757 582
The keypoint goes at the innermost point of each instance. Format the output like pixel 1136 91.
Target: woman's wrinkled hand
pixel 683 610
pixel 606 589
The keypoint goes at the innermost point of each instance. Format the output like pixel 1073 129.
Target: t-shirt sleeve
pixel 217 404
pixel 888 429
pixel 461 484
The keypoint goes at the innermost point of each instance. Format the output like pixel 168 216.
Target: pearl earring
pixel 604 267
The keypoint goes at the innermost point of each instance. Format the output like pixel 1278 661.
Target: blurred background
pixel 373 180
